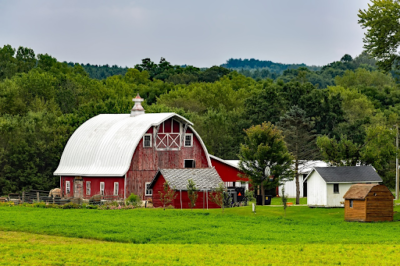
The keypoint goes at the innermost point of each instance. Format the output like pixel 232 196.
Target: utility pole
pixel 397 162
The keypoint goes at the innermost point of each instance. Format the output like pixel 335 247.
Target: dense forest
pixel 351 111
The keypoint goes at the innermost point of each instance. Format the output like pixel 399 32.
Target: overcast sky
pixel 200 33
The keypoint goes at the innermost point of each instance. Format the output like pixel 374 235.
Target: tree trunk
pixel 262 194
pixel 297 182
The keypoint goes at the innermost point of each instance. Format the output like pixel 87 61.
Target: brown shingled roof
pixel 359 191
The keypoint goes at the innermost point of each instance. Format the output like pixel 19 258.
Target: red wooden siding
pixel 226 172
pixel 200 203
pixel 63 188
pixel 146 161
pixel 95 186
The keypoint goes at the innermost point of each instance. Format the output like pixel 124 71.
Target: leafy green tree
pixel 300 139
pixel 377 150
pixel 213 74
pixel 46 62
pixel 25 59
pixel 264 148
pixel 167 196
pixel 346 58
pixel 382 38
pixel 193 193
pixel 326 110
pixel 8 64
pixel 217 196
pixel 268 104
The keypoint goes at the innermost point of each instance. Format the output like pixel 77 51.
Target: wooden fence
pixel 33 196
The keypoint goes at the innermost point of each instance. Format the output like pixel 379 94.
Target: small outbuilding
pixel 206 180
pixel 326 186
pixel 368 203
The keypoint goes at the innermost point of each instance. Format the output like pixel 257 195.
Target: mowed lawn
pixel 153 236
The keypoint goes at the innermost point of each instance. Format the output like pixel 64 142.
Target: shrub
pixel 88 206
pixel 39 205
pixel 70 205
pixel 133 200
pixel 54 206
pixel 9 204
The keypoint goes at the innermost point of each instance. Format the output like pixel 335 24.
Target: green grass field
pixel 154 236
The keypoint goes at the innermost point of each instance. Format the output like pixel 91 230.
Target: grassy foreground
pixel 236 226
pixel 175 237
pixel 17 248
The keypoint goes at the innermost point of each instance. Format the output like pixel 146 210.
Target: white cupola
pixel 137 108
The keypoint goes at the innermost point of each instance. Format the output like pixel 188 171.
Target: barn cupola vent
pixel 137 108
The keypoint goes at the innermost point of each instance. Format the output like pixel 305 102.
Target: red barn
pixel 115 155
pixel 206 179
pixel 229 172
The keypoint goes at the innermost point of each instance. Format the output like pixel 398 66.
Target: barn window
pixel 116 188
pixel 149 191
pixel 351 203
pixel 87 187
pixel 147 140
pixel 101 188
pixel 190 164
pixel 67 187
pixel 228 184
pixel 188 140
pixel 336 188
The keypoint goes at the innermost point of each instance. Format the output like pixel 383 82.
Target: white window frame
pixel 67 187
pixel 102 189
pixel 144 140
pixel 116 188
pixel 147 189
pixel 338 189
pixel 88 187
pixel 191 140
pixel 228 184
pixel 194 162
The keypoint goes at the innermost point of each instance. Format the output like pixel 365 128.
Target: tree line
pixel 42 102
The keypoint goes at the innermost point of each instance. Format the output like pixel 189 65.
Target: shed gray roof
pixel 348 174
pixel 204 178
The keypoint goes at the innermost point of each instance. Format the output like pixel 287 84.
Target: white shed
pixel 326 186
pixel 305 168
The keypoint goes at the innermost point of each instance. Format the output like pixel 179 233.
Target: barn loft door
pixel 168 136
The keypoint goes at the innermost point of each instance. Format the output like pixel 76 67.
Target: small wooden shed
pixel 368 203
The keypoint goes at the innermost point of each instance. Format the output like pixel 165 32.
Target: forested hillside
pixel 42 102
pixel 101 72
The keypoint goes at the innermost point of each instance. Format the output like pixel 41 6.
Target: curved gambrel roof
pixel 104 145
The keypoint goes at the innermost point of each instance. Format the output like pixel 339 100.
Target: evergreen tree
pixel 300 139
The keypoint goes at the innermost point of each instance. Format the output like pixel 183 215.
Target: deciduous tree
pixel 264 148
pixel 217 196
pixel 167 195
pixel 193 193
pixel 382 38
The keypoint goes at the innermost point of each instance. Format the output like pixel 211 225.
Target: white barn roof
pixel 104 145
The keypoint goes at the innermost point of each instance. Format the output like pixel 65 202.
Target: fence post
pixel 23 196
pixel 37 196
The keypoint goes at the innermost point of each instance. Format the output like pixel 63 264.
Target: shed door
pixel 78 188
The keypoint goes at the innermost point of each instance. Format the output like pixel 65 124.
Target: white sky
pixel 200 33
